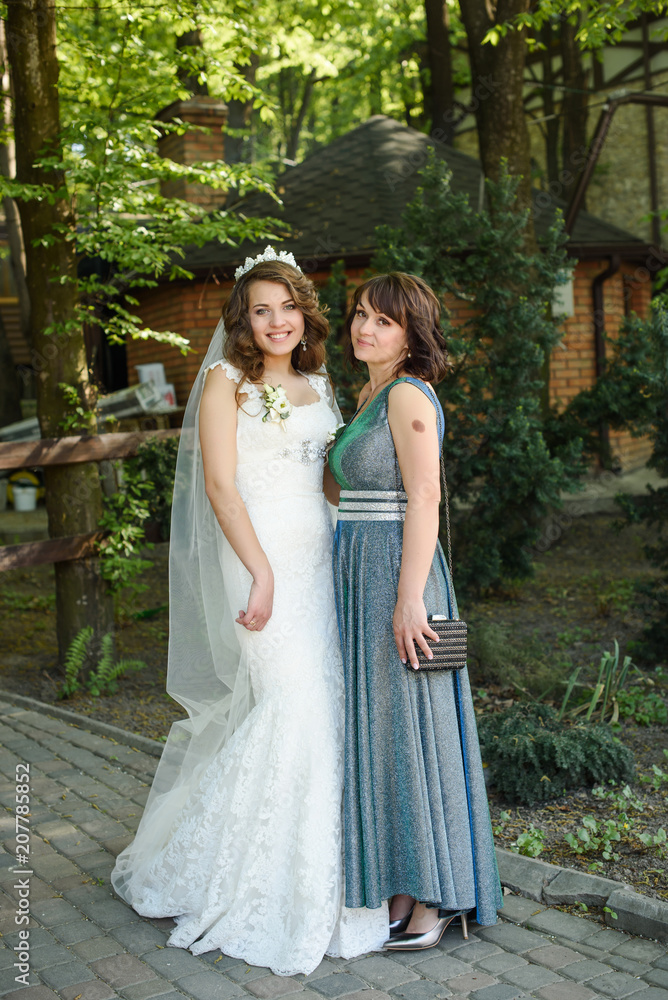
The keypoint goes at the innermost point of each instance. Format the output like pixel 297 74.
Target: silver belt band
pixel 372 505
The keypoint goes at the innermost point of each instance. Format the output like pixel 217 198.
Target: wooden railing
pixel 65 451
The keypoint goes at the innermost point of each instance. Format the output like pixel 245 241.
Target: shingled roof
pixel 336 197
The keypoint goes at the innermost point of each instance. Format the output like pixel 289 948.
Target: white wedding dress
pixel 253 861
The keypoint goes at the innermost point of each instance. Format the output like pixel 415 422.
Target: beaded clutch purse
pixel 449 653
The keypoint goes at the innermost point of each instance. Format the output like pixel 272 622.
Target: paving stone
pixel 525 876
pixel 99 947
pixel 39 938
pixel 34 993
pixel 511 938
pixel 640 951
pixel 564 924
pixel 94 989
pixel 365 995
pixel 108 912
pixel 531 977
pixel 8 982
pixel 606 939
pixel 221 962
pixel 173 963
pixel 517 909
pixel 453 938
pixel 53 912
pixel 473 951
pixel 122 970
pixel 657 977
pixel 616 985
pixel 582 971
pixel 501 991
pixel 554 956
pixel 67 974
pixel 270 987
pixel 637 969
pixel 422 989
pixel 77 930
pixel 565 991
pixel 661 963
pixel 243 973
pixel 470 982
pixel 145 991
pixel 140 938
pixel 443 968
pixel 337 985
pixel 326 968
pixel 382 972
pixel 50 954
pixel 582 950
pixel 651 993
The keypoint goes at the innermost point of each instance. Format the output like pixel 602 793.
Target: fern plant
pixel 74 661
pixel 104 678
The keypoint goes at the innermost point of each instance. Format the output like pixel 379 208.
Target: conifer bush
pixel 532 757
pixel 503 477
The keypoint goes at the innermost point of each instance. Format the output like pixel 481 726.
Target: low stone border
pixel 552 885
pixel 152 747
pixel 529 877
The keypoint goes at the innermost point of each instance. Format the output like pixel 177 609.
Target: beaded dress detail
pixel 415 806
pixel 253 862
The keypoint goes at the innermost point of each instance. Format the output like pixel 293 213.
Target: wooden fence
pixel 65 451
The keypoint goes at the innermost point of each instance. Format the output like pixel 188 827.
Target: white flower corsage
pixel 333 435
pixel 277 405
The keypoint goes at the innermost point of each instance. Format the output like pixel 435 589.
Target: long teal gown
pixel 415 805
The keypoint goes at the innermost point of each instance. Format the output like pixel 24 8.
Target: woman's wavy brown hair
pixel 409 301
pixel 240 348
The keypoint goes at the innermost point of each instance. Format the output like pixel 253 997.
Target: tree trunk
pixel 574 110
pixel 10 386
pixel 439 103
pixel 189 75
pixel 73 494
pixel 238 148
pixel 497 85
pixel 552 123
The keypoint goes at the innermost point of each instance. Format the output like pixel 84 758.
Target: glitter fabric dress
pixel 415 808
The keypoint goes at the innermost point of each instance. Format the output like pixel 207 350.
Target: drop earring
pixel 408 355
pixel 303 342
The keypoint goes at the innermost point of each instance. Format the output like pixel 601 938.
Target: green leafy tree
pixel 503 477
pixel 88 185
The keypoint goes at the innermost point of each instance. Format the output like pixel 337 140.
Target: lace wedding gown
pixel 252 863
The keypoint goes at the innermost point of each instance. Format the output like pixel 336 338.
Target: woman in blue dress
pixel 417 828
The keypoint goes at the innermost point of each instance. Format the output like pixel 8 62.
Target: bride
pixel 241 838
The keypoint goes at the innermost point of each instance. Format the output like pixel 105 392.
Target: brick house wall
pixel 193 309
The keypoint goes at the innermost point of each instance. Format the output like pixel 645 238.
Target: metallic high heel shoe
pixel 428 939
pixel 400 925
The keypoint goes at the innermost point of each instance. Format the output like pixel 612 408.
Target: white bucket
pixel 25 497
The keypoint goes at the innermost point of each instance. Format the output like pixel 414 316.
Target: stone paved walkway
pixel 86 800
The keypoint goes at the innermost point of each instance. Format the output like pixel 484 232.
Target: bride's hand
pixel 410 628
pixel 260 605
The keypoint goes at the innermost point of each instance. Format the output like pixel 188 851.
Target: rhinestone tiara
pixel 268 254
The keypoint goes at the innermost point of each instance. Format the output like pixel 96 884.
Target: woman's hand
pixel 260 605
pixel 410 628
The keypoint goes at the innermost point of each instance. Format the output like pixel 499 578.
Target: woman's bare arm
pixel 218 439
pixel 412 420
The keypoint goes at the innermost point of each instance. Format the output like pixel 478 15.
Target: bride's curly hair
pixel 240 348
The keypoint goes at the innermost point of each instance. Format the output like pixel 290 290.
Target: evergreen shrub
pixel 503 476
pixel 532 757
